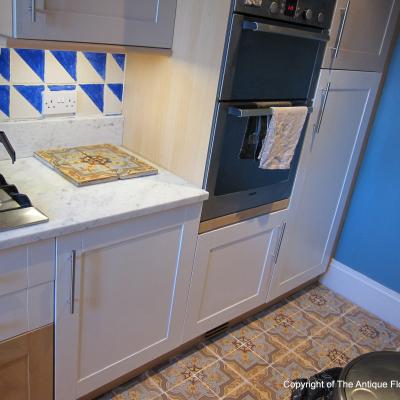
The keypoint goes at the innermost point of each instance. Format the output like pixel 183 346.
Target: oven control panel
pixel 317 13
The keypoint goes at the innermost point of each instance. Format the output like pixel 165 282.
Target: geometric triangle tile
pixel 4 65
pixel 86 73
pixel 98 62
pixel 20 72
pixel 5 100
pixel 120 60
pixel 90 99
pixel 112 104
pixel 117 89
pixel 114 72
pixel 26 101
pixel 60 67
pixel 34 60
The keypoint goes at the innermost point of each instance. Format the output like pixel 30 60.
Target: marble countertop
pixel 72 209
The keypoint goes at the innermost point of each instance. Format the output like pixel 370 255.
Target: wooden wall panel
pixel 169 101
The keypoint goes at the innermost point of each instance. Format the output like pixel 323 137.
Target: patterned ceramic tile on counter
pixel 98 78
pixel 87 165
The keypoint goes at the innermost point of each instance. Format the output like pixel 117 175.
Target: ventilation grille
pixel 216 331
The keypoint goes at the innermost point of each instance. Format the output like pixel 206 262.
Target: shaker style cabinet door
pixel 334 139
pixel 361 34
pixel 231 272
pixel 121 294
pixel 148 23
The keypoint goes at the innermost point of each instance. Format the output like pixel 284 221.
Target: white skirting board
pixel 363 291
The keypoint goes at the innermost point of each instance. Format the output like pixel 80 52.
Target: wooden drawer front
pixel 26 366
pixel 26 266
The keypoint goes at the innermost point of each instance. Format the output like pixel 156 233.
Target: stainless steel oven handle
pixel 317 126
pixel 280 30
pixel 256 112
pixel 345 13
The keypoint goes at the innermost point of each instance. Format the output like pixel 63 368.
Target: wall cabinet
pixel 148 23
pixel 330 154
pixel 26 366
pixel 121 297
pixel 361 34
pixel 232 271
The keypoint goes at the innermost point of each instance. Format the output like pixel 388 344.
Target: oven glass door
pixel 270 60
pixel 234 181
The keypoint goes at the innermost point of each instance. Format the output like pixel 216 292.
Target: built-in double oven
pixel 272 58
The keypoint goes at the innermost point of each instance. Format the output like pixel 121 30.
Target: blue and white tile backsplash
pixel 25 74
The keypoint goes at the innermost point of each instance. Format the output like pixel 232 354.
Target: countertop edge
pixel 51 233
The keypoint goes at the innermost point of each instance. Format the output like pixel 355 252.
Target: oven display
pixel 290 8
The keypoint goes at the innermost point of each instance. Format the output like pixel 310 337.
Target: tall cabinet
pixel 361 37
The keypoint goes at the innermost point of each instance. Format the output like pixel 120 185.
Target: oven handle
pixel 256 112
pixel 280 30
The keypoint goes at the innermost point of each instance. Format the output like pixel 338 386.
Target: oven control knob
pixel 274 7
pixel 308 14
pixel 321 17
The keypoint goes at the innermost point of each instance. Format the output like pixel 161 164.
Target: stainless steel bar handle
pixel 33 11
pixel 73 272
pixel 279 30
pixel 256 112
pixel 345 13
pixel 279 244
pixel 325 92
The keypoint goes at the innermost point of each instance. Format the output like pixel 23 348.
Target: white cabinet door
pixel 128 284
pixel 147 23
pixel 361 34
pixel 326 170
pixel 231 272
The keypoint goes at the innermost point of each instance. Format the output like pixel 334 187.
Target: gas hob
pixel 16 210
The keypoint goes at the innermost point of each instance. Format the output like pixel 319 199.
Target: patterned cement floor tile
pixel 197 359
pixel 266 347
pixel 223 345
pixel 368 331
pixel 141 388
pixel 246 331
pixel 322 303
pixel 348 355
pixel 221 379
pixel 324 348
pixel 270 385
pixel 306 323
pixel 274 315
pixel 192 389
pixel 246 363
pixel 294 367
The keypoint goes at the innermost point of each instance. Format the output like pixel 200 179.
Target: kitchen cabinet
pixel 121 294
pixel 231 272
pixel 147 23
pixel 330 155
pixel 26 366
pixel 361 34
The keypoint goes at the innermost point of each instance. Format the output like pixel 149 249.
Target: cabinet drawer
pixel 13 314
pixel 26 266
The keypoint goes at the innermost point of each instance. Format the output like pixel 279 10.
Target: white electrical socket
pixel 59 102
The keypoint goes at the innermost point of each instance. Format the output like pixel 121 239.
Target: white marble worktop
pixel 72 209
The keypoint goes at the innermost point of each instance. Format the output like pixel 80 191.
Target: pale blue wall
pixel 370 241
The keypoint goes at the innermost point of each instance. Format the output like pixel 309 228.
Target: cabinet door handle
pixel 345 13
pixel 33 11
pixel 73 271
pixel 279 243
pixel 325 92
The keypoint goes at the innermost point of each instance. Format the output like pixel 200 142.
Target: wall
pixel 26 74
pixel 370 239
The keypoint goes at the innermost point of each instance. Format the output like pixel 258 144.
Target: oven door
pixel 234 183
pixel 272 60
